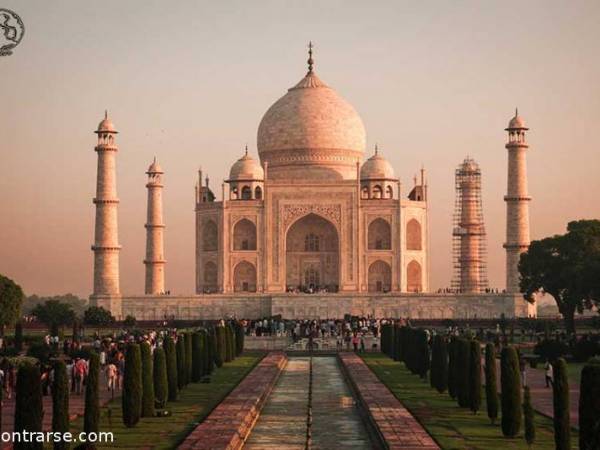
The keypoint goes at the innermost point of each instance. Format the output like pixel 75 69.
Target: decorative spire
pixel 516 112
pixel 105 114
pixel 310 59
pixel 246 151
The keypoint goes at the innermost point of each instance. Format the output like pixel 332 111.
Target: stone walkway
pixel 335 418
pixel 397 426
pixel 229 423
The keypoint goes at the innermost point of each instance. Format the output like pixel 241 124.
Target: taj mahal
pixel 312 228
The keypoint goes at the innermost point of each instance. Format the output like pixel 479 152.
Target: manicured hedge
pixel 491 384
pixel 171 362
pixel 28 405
pixel 147 381
pixel 60 403
pixel 510 382
pixel 132 386
pixel 91 416
pixel 161 384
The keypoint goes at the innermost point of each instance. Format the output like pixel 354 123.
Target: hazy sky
pixel 189 82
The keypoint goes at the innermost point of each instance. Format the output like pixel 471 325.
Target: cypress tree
pixel 212 339
pixel 161 386
pixel 562 414
pixel 181 365
pixel 423 361
pixel 132 386
pixel 91 415
pixel 28 405
pixel 196 357
pixel 188 357
pixel 219 359
pixel 147 380
pixel 491 384
pixel 172 377
pixel 60 403
pixel 464 370
pixel 475 376
pixel 435 362
pixel 510 382
pixel 209 363
pixel 528 417
pixel 443 365
pixel 452 367
pixel 231 341
pixel 239 338
pixel 589 406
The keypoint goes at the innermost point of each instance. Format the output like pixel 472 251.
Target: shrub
pixel 172 377
pixel 528 415
pixel 181 365
pixel 239 338
pixel 422 348
pixel 129 321
pixel 452 367
pixel 40 351
pixel 464 369
pixel 60 403
pixel 589 406
pixel 491 385
pixel 28 405
pixel 510 382
pixel 147 380
pixel 91 415
pixel 551 349
pixel 132 386
pixel 475 376
pixel 560 390
pixel 161 386
pixel 188 357
pixel 197 357
pixel 219 351
pixel 584 349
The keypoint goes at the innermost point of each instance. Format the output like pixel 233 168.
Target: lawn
pixel 452 427
pixel 195 402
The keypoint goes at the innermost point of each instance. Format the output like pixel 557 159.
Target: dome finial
pixel 310 60
pixel 376 149
pixel 106 114
pixel 246 150
pixel 516 112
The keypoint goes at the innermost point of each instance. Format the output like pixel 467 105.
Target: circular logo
pixel 11 31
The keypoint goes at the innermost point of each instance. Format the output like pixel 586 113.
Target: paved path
pixel 541 396
pixel 228 425
pixel 397 426
pixel 335 418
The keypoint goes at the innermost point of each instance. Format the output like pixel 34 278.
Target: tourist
pixel 111 372
pixel 355 342
pixel 549 370
pixel 523 369
pixel 362 343
pixel 79 374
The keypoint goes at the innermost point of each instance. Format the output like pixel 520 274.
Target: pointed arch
pixel 414 237
pixel 210 236
pixel 379 235
pixel 414 277
pixel 211 283
pixel 244 277
pixel 244 235
pixel 380 277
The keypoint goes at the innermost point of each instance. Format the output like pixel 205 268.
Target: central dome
pixel 311 132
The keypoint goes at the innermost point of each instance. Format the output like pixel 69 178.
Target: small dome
pixel 246 168
pixel 154 167
pixel 517 122
pixel 106 126
pixel 376 168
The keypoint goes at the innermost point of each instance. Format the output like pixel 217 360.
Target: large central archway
pixel 312 255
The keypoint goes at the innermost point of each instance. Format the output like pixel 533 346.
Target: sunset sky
pixel 189 81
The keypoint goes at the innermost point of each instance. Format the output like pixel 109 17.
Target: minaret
pixel 469 231
pixel 155 262
pixel 106 242
pixel 517 201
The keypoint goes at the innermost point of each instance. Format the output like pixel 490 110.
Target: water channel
pixel 284 422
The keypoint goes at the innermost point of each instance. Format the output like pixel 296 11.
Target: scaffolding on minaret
pixel 469 248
